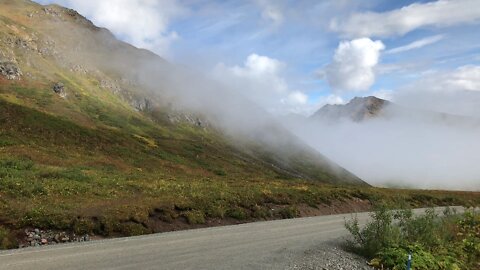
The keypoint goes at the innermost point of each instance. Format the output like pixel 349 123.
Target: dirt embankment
pixel 161 220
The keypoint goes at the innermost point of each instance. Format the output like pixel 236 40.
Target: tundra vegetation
pixel 448 241
pixel 87 146
pixel 127 175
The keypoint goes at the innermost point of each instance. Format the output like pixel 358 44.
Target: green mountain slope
pixel 90 143
pixel 65 67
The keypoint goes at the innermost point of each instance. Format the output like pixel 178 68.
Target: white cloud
pixel 296 98
pixel 258 65
pixel 416 44
pixel 310 107
pixel 384 94
pixel 454 92
pixel 143 23
pixel 353 65
pixel 332 100
pixel 465 78
pixel 271 11
pixel 260 79
pixel 442 13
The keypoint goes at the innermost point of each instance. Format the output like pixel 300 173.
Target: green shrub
pixel 166 214
pixel 289 212
pixel 132 229
pixel 376 235
pixel 216 210
pixel 422 259
pixel 6 239
pixel 16 164
pixel 108 226
pixel 40 217
pixel 6 141
pixel 261 212
pixel 436 243
pixel 237 213
pixel 195 217
pixel 74 174
pixel 84 226
pixel 219 172
pixel 469 231
pixel 423 229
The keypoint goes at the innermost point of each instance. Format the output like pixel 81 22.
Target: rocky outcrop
pixel 357 110
pixel 176 117
pixel 141 104
pixel 63 14
pixel 10 71
pixel 59 89
pixel 20 39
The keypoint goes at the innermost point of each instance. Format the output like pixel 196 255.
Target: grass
pixel 57 174
pixel 435 242
pixel 91 164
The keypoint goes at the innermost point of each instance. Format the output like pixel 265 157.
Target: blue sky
pixel 295 56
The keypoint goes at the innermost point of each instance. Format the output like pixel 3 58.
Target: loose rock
pixel 10 71
pixel 37 237
pixel 59 89
pixel 329 256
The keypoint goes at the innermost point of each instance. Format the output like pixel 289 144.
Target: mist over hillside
pixel 101 80
pixel 428 123
pixel 124 118
pixel 401 145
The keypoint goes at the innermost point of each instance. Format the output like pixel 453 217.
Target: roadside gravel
pixel 328 256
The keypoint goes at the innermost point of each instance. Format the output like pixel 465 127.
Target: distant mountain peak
pixel 358 109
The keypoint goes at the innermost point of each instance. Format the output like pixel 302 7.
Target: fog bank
pixel 409 148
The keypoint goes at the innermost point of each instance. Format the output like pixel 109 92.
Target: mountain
pixel 57 64
pixel 357 110
pixel 97 135
pixel 361 109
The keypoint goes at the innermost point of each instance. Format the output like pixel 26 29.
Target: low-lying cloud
pixel 455 92
pixel 261 80
pixel 401 152
pixel 414 145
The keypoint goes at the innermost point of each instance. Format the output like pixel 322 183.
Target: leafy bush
pixel 469 232
pixel 6 141
pixel 396 258
pixel 6 239
pixel 41 217
pixel 237 213
pixel 16 164
pixel 84 226
pixel 289 212
pixel 437 243
pixel 216 210
pixel 376 235
pixel 132 229
pixel 195 217
pixel 261 212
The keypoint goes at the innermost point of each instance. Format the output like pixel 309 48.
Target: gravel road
pixel 303 243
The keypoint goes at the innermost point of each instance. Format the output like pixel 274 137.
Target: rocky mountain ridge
pixel 362 109
pixel 75 70
pixel 357 110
